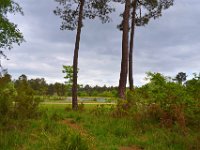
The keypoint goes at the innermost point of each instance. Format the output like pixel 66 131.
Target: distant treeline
pixel 41 88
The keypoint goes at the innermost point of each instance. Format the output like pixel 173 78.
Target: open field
pixel 60 99
pixel 68 103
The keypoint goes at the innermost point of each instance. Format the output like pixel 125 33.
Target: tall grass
pixel 108 131
pixel 42 133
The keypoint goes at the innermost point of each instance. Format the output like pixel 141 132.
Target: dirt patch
pixel 130 148
pixel 73 125
pixel 78 128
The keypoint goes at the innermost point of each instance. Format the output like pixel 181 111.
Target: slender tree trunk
pixel 134 5
pixel 125 47
pixel 75 61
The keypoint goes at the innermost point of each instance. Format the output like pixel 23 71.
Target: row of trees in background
pixel 40 87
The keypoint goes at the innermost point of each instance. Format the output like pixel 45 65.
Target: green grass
pixel 112 133
pixel 109 133
pixel 44 133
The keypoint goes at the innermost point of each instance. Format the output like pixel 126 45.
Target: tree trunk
pixel 134 5
pixel 75 61
pixel 124 61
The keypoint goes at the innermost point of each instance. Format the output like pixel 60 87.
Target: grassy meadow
pixel 160 115
pixel 92 127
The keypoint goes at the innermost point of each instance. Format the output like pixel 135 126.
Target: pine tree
pixel 73 12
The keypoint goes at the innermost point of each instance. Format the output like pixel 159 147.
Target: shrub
pixel 193 87
pixel 99 110
pixel 7 94
pixel 165 101
pixel 26 105
pixel 122 109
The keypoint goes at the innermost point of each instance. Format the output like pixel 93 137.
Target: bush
pixel 193 87
pixel 165 101
pixel 122 109
pixel 99 110
pixel 7 94
pixel 26 105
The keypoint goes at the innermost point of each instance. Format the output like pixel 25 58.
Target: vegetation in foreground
pixel 105 131
pixel 162 114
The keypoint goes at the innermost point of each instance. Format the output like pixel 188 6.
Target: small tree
pixel 26 104
pixel 68 70
pixel 181 77
pixel 7 94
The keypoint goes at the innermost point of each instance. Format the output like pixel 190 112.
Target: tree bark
pixel 75 60
pixel 125 49
pixel 134 5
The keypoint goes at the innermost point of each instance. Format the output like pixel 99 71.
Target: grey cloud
pixel 168 45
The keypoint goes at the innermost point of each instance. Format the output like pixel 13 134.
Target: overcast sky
pixel 168 45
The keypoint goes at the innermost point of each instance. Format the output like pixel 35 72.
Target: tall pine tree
pixel 139 13
pixel 73 12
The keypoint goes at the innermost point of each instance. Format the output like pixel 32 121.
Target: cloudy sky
pixel 168 45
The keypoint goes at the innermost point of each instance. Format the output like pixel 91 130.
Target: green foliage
pixel 166 93
pixel 68 70
pixel 68 11
pixel 166 101
pixel 26 105
pixel 58 91
pixel 122 109
pixel 100 110
pixel 97 91
pixel 151 9
pixel 181 77
pixel 39 86
pixel 7 94
pixel 9 32
pixel 193 87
